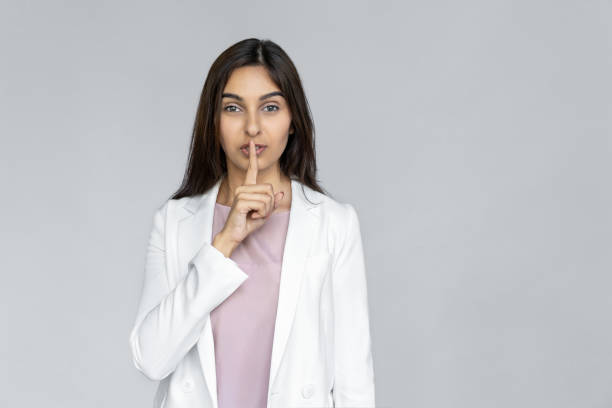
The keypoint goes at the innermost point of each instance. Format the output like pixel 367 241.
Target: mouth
pixel 258 149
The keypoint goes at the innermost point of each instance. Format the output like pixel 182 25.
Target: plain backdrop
pixel 473 138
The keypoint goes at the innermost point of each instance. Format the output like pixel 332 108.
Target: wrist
pixel 225 245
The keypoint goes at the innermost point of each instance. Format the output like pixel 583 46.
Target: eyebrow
pixel 261 98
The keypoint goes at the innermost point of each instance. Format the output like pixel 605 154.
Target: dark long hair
pixel 207 161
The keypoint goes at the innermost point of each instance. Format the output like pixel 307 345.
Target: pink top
pixel 243 324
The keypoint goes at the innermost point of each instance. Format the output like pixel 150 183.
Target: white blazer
pixel 321 354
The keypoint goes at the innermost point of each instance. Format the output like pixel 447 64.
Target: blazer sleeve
pixel 169 320
pixel 353 366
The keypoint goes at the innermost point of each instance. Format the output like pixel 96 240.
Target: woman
pixel 254 295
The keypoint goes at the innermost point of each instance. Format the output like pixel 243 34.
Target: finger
pixel 251 174
pixel 263 197
pixel 264 188
pixel 246 206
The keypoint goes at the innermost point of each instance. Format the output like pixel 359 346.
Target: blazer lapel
pixel 195 230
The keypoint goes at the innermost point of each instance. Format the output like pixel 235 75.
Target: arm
pixel 170 320
pixel 353 365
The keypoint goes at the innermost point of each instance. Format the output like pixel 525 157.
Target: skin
pixel 255 186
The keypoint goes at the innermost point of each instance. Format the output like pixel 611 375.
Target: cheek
pixel 227 127
pixel 279 146
pixel 227 133
pixel 232 120
pixel 222 140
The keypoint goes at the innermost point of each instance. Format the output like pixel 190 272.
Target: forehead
pixel 250 82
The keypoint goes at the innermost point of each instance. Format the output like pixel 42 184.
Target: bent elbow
pixel 146 366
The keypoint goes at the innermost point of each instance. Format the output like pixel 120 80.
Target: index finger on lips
pixel 251 174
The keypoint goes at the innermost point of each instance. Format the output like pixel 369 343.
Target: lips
pixel 257 146
pixel 258 149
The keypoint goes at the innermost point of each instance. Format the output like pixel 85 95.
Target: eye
pixel 230 106
pixel 271 106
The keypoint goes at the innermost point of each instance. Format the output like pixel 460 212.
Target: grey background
pixel 473 138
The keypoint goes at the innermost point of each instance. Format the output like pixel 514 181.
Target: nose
pixel 252 126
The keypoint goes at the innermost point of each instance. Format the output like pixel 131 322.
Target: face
pixel 253 107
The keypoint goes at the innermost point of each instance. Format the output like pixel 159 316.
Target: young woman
pixel 254 291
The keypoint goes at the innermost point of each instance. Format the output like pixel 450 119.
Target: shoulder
pixel 329 206
pixel 171 206
pixel 339 217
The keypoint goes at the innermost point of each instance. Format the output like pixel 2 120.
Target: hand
pixel 252 206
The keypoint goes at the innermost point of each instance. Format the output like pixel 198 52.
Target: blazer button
pixel 308 390
pixel 187 386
